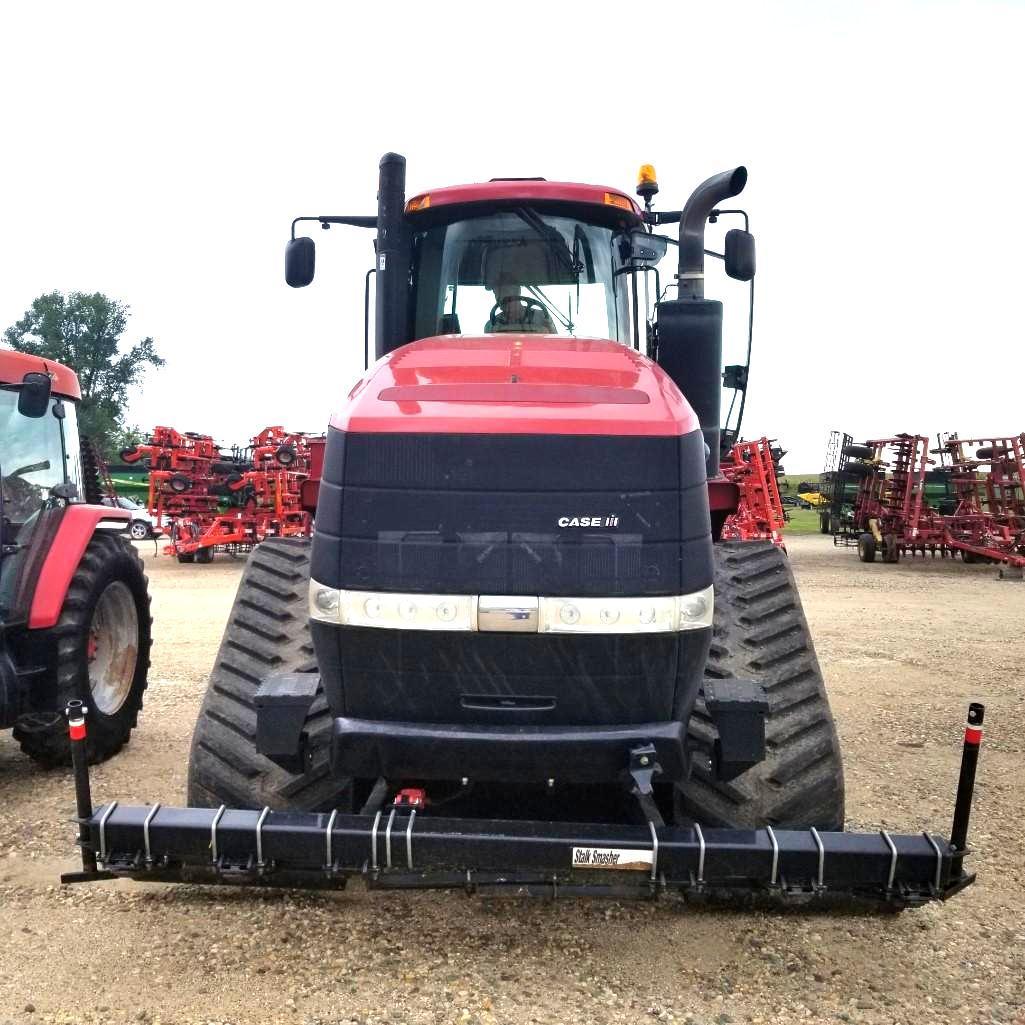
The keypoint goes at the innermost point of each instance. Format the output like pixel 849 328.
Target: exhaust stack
pixel 391 327
pixel 690 326
pixel 703 200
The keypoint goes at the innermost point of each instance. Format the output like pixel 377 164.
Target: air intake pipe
pixel 392 314
pixel 690 326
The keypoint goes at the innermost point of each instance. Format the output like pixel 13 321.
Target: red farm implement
pixel 891 496
pixel 751 467
pixel 212 500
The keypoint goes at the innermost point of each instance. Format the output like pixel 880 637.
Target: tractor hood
pixel 516 384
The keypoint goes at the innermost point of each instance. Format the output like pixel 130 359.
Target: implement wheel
pixel 760 633
pixel 867 547
pixel 858 451
pixel 891 550
pixel 824 523
pixel 267 632
pixel 103 643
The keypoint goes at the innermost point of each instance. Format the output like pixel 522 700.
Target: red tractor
pixel 523 651
pixel 74 606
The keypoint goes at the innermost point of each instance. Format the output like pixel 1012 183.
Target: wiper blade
pixel 550 307
pixel 553 237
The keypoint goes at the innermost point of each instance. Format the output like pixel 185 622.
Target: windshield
pixel 32 455
pixel 520 271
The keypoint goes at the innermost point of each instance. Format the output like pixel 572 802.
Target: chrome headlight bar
pixel 511 614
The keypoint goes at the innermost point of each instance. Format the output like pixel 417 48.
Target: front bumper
pixel 581 754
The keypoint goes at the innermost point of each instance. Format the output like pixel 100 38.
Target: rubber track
pixel 760 633
pixel 267 632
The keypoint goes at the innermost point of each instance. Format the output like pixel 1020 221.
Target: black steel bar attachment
pixel 396 848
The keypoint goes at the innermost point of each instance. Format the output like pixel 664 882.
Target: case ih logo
pixel 588 521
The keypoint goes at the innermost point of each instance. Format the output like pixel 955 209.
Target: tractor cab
pixel 526 257
pixel 39 428
pixel 39 452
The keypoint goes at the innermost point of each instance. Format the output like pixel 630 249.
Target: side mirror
pixel 740 254
pixel 300 257
pixel 34 397
pixel 641 248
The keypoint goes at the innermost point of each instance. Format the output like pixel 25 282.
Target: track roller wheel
pixel 103 644
pixel 759 633
pixel 267 632
pixel 866 547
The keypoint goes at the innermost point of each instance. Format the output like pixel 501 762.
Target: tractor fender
pixel 77 526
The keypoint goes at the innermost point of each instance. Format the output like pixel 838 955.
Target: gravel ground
pixel 904 649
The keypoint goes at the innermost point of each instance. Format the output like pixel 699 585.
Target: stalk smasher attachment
pixel 402 845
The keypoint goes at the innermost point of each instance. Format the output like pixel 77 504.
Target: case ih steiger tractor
pixel 519 653
pixel 74 609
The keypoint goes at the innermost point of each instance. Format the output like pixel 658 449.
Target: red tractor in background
pixel 74 605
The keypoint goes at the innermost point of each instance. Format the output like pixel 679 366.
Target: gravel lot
pixel 904 649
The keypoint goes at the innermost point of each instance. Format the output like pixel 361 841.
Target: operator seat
pixel 508 272
pixel 519 319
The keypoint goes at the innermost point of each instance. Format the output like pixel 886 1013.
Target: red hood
pixel 516 384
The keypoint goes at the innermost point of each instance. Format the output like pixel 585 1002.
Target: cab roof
pixel 526 190
pixel 15 365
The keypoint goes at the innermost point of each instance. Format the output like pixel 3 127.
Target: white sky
pixel 158 153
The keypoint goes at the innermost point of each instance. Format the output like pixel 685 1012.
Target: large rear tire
pixel 267 632
pixel 103 646
pixel 760 633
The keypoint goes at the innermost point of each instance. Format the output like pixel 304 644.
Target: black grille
pixel 475 514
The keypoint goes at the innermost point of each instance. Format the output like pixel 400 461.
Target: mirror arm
pixel 356 221
pixel 715 214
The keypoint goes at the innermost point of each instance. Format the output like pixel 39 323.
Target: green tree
pixel 84 332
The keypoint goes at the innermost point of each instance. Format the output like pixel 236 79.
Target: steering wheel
pixel 528 303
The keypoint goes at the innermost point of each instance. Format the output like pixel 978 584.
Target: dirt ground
pixel 904 649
